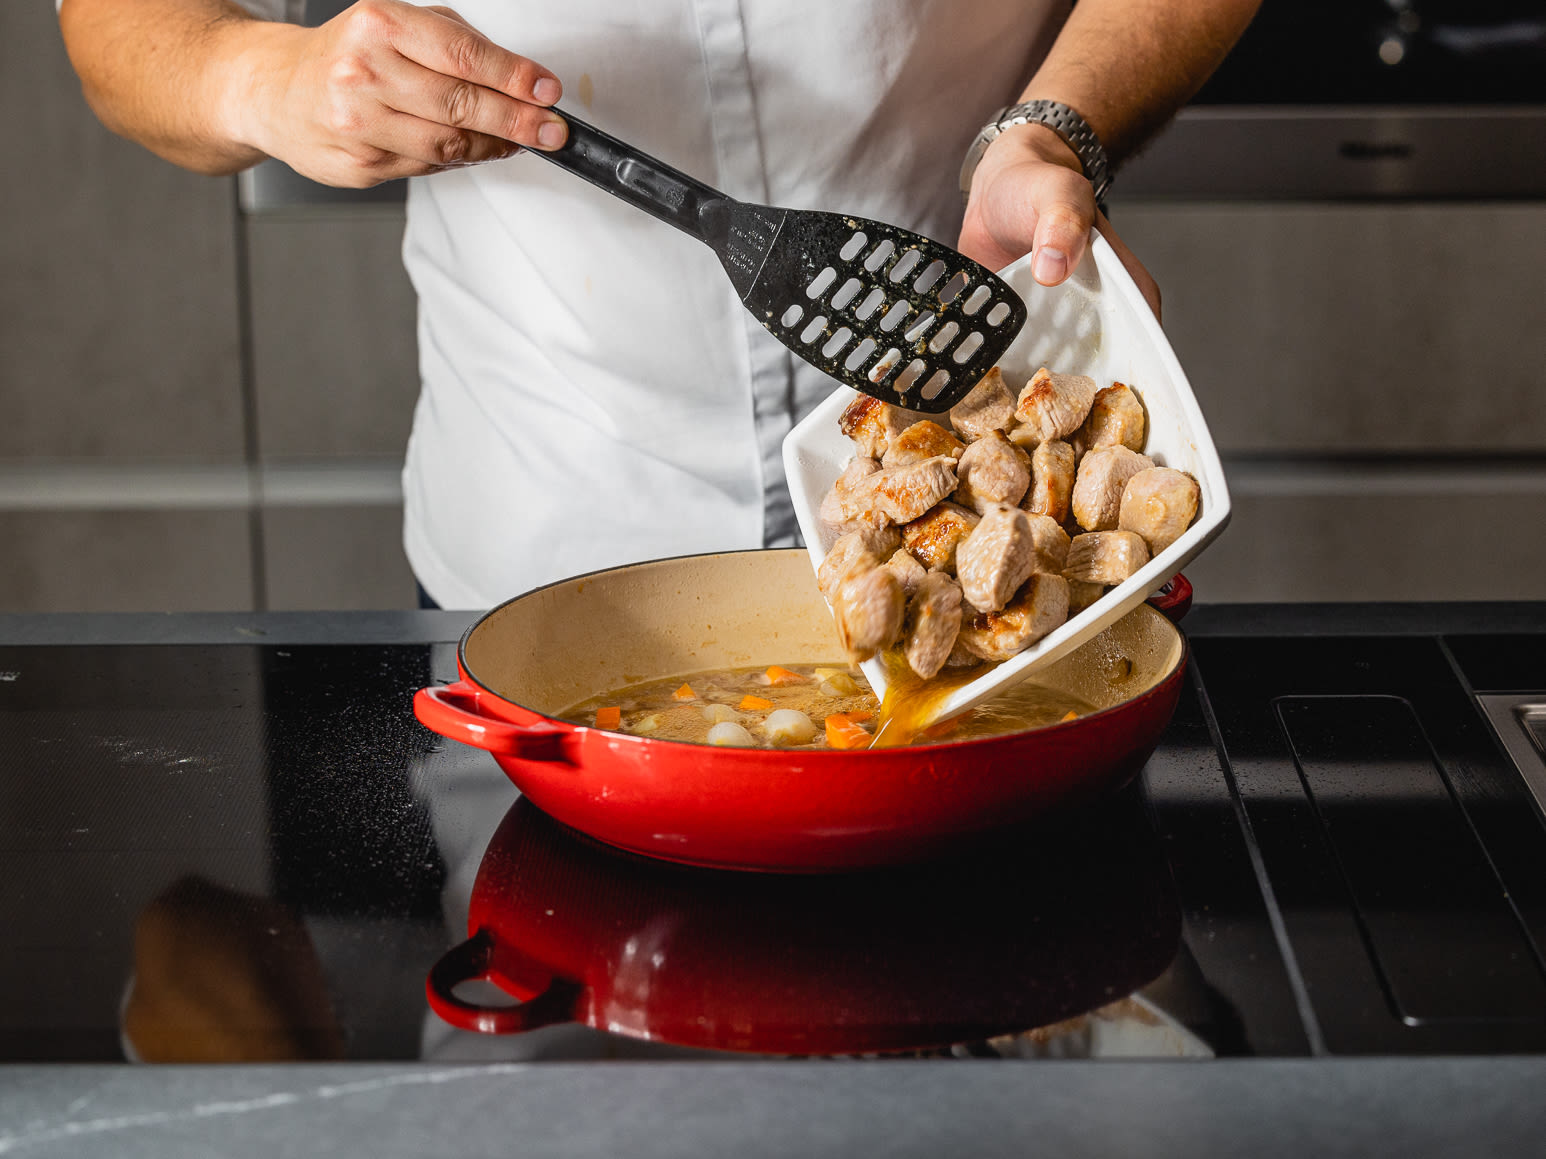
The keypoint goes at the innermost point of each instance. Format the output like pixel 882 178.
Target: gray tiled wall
pixel 335 360
pixel 336 557
pixel 125 561
pixel 118 292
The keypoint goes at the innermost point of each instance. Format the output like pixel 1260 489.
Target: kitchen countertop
pixel 1268 1107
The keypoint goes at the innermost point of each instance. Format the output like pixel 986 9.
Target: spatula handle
pixel 636 177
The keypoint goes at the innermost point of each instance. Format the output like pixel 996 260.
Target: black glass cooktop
pixel 245 852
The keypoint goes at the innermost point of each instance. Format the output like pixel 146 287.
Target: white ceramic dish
pixel 1095 323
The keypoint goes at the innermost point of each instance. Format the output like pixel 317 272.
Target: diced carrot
pixel 609 717
pixel 754 704
pixel 858 715
pixel 777 675
pixel 1069 715
pixel 843 733
pixel 945 727
pixel 685 692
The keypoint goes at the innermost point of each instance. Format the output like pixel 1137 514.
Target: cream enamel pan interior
pixel 554 647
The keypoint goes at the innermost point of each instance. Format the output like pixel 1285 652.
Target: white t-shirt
pixel 593 391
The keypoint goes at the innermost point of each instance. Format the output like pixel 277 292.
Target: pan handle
pixel 1173 600
pixel 472 960
pixel 453 711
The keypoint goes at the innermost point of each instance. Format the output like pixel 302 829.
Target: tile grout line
pixel 248 375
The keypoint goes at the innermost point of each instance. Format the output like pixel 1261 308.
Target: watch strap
pixel 1062 120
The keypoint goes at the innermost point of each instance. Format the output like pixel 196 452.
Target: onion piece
pixel 789 726
pixel 728 733
pixel 719 713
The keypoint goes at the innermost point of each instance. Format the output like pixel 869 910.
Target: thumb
pixel 1065 210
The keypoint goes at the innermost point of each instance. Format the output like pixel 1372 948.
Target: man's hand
pixel 384 90
pixel 1029 195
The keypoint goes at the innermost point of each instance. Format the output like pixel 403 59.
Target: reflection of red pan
pixel 1037 929
pixel 761 809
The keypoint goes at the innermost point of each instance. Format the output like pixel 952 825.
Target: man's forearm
pixel 1127 66
pixel 160 73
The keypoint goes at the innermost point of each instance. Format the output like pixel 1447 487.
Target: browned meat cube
pixel 1105 557
pixel 859 467
pixel 1159 505
pixel 866 547
pixel 988 406
pixel 1050 544
pixel 996 558
pixel 923 440
pixel 933 619
pixel 872 424
pixel 1054 406
pixel 908 571
pixel 868 608
pixel 933 537
pixel 1116 419
pixel 1052 480
pixel 992 471
pixel 960 655
pixel 1103 475
pixel 1038 607
pixel 901 494
pixel 1081 595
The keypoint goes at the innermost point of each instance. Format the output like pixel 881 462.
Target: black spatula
pixel 884 310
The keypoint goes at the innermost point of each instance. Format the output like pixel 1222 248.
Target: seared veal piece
pixel 1081 595
pixel 1159 505
pixel 990 406
pixel 996 558
pixel 1105 557
pixel 991 471
pixel 908 571
pixel 872 424
pixel 1098 491
pixel 1052 480
pixel 960 655
pixel 859 467
pixel 868 608
pixel 1116 419
pixel 923 440
pixel 932 621
pixel 1037 608
pixel 1053 406
pixel 902 493
pixel 1050 543
pixel 865 547
pixel 934 536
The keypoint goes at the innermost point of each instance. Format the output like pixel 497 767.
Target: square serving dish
pixel 1095 323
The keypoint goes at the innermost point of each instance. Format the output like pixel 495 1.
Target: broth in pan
pixel 809 707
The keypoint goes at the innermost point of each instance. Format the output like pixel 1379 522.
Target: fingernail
pixel 547 90
pixel 551 134
pixel 1050 265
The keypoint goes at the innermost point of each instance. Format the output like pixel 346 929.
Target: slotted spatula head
pixel 881 309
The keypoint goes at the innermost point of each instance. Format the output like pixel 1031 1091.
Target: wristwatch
pixel 1063 121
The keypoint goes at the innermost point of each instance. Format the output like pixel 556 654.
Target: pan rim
pixel 581 731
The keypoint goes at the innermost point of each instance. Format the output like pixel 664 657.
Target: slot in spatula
pixel 881 309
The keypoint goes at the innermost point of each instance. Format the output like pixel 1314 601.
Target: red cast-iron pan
pixel 796 811
pixel 1033 928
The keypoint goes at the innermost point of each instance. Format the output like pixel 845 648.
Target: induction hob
pixel 251 851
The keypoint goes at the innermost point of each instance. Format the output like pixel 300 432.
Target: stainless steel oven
pixel 1366 98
